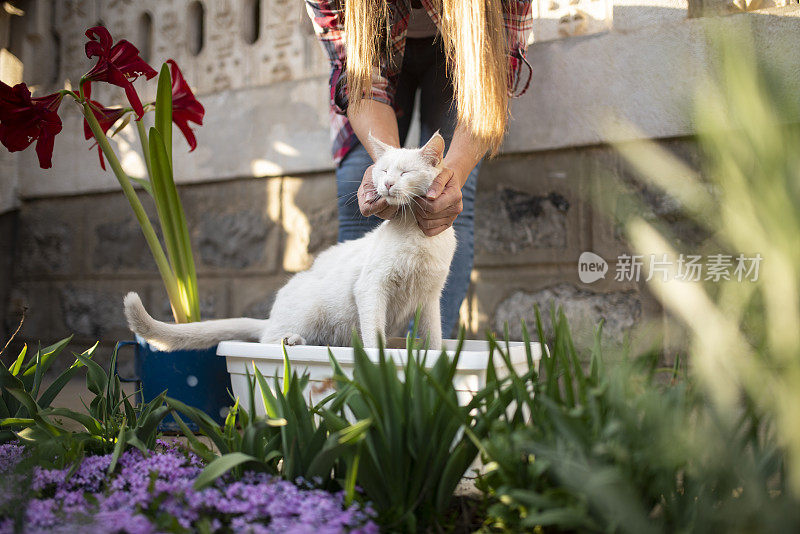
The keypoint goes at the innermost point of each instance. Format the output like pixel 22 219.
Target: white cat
pixel 372 285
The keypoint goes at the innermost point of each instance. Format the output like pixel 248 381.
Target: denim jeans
pixel 423 69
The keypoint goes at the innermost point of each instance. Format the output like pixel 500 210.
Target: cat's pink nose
pixel 389 186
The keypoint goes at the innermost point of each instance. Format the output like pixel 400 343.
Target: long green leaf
pixel 173 223
pixel 350 478
pixel 33 410
pixel 322 462
pixel 145 183
pixel 14 421
pixel 162 178
pixel 163 121
pixel 207 425
pixel 96 378
pixel 58 384
pixel 48 356
pixel 220 466
pixel 146 431
pixel 197 446
pixel 119 447
pixel 90 423
pixel 287 369
pixel 17 365
pixel 270 402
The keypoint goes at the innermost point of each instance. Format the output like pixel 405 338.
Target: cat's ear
pixel 433 151
pixel 379 148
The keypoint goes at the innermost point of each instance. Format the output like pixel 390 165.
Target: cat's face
pixel 402 173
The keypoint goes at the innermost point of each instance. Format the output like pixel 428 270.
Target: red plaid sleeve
pixel 518 18
pixel 327 18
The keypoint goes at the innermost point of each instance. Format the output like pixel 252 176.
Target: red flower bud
pixel 24 120
pixel 118 64
pixel 185 107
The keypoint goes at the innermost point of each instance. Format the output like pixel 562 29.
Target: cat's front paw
pixel 291 340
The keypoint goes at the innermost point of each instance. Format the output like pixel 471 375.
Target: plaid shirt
pixel 327 16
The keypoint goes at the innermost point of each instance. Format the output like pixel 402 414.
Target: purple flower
pixel 146 490
pixel 10 455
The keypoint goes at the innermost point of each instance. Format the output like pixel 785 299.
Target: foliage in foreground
pixel 632 448
pixel 291 441
pixel 110 423
pixel 744 335
pixel 388 435
pixel 415 422
pixel 156 493
pixel 20 384
pixel 719 451
pixel 577 447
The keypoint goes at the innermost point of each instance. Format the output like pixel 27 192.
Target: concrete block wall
pixel 77 256
pixel 259 191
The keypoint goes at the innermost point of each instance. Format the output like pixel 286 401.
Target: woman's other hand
pixel 368 200
pixel 436 211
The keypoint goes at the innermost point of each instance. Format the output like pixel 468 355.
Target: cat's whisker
pixel 352 196
pixel 416 202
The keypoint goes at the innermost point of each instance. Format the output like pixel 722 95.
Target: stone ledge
pixel 646 77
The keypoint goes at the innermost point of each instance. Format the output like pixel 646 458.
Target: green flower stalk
pixel 164 268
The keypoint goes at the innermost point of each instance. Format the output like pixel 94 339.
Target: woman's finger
pixel 371 207
pixel 439 184
pixel 430 232
pixel 429 224
pixel 423 210
pixel 387 213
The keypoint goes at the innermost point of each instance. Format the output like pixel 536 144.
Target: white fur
pixel 372 285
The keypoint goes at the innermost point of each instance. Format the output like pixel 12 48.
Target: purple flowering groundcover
pixel 155 494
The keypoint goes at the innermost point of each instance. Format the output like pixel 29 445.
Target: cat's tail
pixel 200 335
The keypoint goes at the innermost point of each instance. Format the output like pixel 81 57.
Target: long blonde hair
pixel 477 59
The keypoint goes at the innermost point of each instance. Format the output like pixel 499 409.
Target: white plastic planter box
pixel 470 373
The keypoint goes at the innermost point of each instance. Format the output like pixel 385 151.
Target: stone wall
pixel 259 191
pixel 77 256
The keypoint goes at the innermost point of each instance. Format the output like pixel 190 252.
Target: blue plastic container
pixel 198 378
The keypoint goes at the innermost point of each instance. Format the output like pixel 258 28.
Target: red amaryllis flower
pixel 106 117
pixel 118 64
pixel 185 106
pixel 24 120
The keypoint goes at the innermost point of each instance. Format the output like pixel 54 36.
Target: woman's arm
pixel 376 118
pixel 442 204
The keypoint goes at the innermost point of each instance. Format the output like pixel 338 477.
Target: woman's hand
pixel 368 200
pixel 436 211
